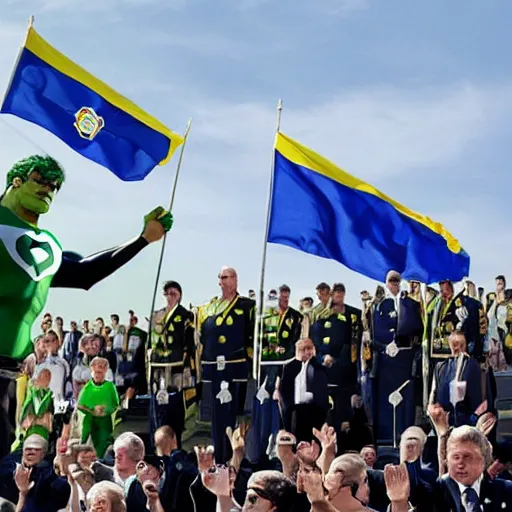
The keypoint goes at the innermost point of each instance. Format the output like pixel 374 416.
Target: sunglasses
pixel 394 280
pixel 43 183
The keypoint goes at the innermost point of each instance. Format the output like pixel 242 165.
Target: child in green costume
pixel 36 416
pixel 98 400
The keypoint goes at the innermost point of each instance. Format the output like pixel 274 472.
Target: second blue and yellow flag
pixel 51 91
pixel 322 210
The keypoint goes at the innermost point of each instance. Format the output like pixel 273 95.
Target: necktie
pixel 470 498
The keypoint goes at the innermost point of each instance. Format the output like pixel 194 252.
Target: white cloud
pixel 88 6
pixel 205 44
pixel 384 135
pixel 379 134
pixel 344 7
pixel 374 133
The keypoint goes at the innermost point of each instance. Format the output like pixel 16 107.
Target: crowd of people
pixel 387 406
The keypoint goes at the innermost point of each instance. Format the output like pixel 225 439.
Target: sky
pixel 413 97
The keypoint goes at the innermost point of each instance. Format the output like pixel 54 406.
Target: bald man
pixel 226 329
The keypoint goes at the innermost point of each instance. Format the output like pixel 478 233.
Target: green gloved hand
pixel 156 223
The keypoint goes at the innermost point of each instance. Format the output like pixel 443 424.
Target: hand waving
pixel 205 457
pixel 397 483
pixel 22 478
pixel 327 437
pixel 308 453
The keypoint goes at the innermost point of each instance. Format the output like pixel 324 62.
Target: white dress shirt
pixel 476 486
pixel 302 396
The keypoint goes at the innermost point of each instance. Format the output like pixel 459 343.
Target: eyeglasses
pixel 43 183
pixel 393 280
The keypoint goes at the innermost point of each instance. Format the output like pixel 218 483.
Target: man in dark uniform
pixel 369 308
pixel 170 359
pixel 281 330
pixel 336 333
pixel 449 312
pixel 397 329
pixel 172 340
pixel 226 334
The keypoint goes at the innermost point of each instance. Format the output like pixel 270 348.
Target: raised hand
pixel 312 484
pixel 439 416
pixel 237 438
pixel 205 457
pixel 156 224
pixel 327 437
pixel 22 478
pixel 217 480
pixel 486 423
pixel 308 453
pixel 397 483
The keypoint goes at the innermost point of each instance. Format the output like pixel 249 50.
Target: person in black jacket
pixel 46 492
pixel 466 486
pixel 303 392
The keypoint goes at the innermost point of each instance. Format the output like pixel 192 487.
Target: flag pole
pixel 162 251
pixel 258 325
pixel 18 58
pixel 425 343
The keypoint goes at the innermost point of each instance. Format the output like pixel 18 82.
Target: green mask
pixel 41 177
pixel 34 195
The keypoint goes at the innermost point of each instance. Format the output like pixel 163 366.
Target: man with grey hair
pixel 30 481
pixel 129 450
pixel 466 486
pixel 226 330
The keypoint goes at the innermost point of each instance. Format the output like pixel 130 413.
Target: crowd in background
pixel 331 453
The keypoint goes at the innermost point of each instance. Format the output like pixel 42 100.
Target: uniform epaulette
pixel 353 309
pixel 246 300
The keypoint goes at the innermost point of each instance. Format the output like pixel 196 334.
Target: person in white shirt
pixel 303 392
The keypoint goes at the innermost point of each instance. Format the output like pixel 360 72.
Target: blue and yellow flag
pixel 50 90
pixel 319 209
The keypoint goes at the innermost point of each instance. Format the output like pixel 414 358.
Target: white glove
pixel 262 393
pixel 224 395
pixel 392 350
pixel 462 314
pixel 395 398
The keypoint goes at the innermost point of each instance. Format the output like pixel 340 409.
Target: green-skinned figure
pixel 32 260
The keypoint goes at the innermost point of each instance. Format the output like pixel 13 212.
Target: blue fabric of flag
pixel 316 214
pixel 51 91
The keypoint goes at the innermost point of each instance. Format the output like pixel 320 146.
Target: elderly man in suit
pixel 465 488
pixel 303 392
pixel 457 384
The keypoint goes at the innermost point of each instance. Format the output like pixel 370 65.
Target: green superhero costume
pixel 100 428
pixel 32 259
pixel 38 402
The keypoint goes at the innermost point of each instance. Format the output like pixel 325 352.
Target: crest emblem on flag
pixel 87 123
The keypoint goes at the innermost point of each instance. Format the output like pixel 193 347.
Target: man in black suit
pixel 465 488
pixel 304 392
pixel 458 383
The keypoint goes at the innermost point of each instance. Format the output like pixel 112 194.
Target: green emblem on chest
pixel 38 254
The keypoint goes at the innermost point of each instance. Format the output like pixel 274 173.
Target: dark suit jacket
pixel 471 374
pixel 49 494
pixel 495 495
pixel 316 383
